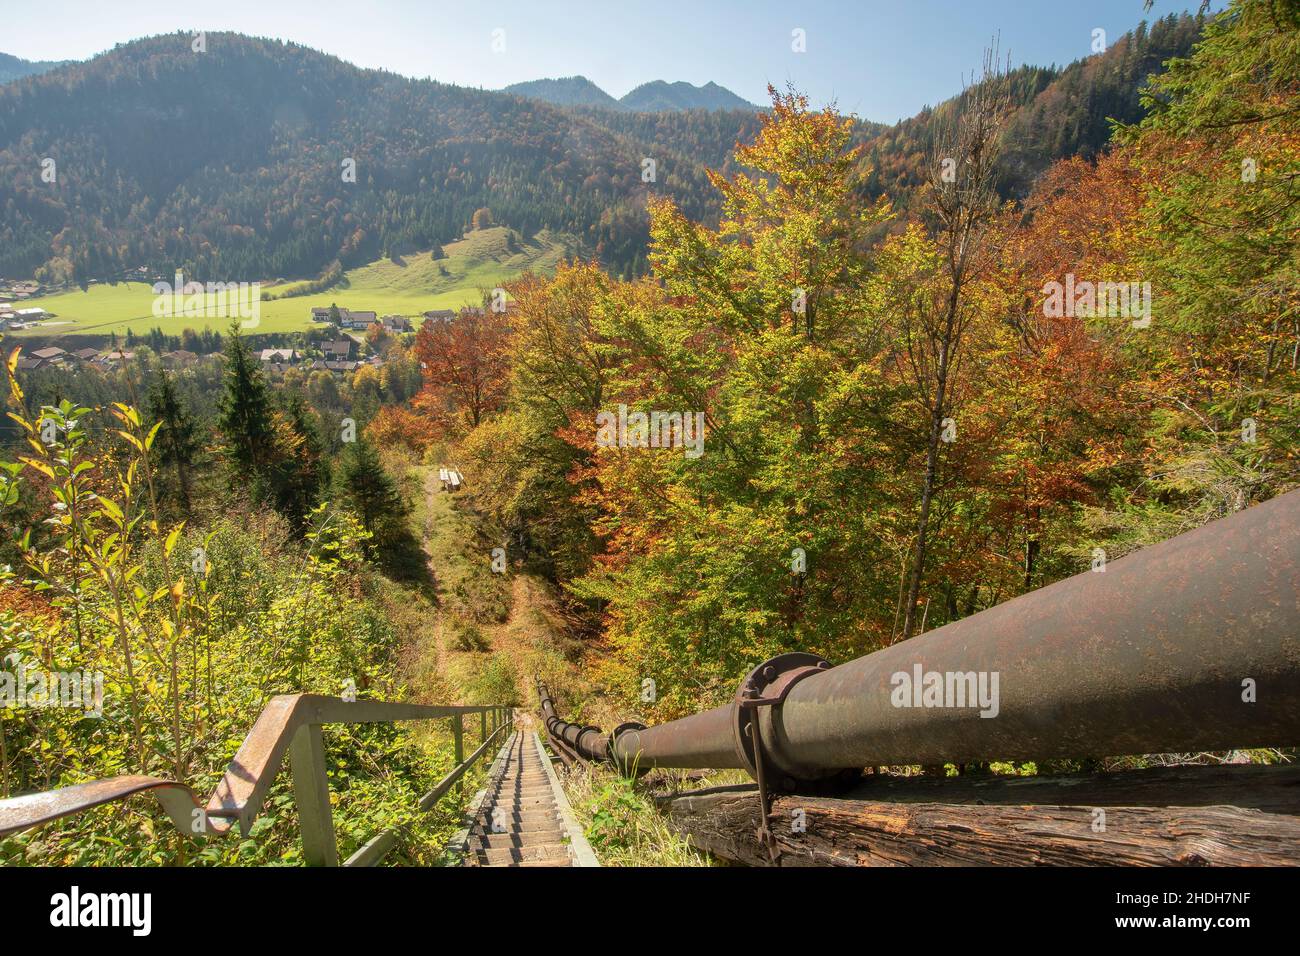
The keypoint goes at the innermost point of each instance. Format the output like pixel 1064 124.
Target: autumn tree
pixel 1219 159
pixel 962 201
pixel 530 461
pixel 465 366
pixel 759 328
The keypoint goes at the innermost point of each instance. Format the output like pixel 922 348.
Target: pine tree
pixel 245 411
pixel 365 486
pixel 294 476
pixel 177 441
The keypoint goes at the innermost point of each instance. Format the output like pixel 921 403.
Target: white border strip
pixel 578 845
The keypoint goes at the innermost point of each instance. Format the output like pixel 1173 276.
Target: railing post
pixel 458 735
pixel 311 793
pixel 482 726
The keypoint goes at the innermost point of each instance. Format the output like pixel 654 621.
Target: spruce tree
pixel 364 485
pixel 177 441
pixel 295 476
pixel 245 411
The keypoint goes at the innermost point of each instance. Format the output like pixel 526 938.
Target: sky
pixel 879 60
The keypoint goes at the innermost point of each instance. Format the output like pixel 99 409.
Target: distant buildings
pixel 396 324
pixel 347 318
pixel 440 315
pixel 321 365
pixel 51 355
pixel 11 317
pixel 179 358
pixel 336 356
pixel 10 289
pixel 340 350
pixel 360 321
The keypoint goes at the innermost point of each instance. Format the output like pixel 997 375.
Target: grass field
pixel 408 286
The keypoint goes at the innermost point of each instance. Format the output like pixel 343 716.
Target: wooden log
pixel 1185 816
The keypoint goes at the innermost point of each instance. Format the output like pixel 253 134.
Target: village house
pixel 338 350
pixel 347 319
pixel 179 357
pixel 278 356
pixel 396 324
pixel 332 366
pixel 51 355
pixel 21 290
pixel 357 320
pixel 115 357
pixel 440 315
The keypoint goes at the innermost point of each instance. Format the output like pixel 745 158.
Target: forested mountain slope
pixel 234 164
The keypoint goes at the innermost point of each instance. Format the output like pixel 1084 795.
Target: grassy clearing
pixel 619 817
pixel 409 286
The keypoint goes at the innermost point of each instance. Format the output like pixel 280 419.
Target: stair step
pixel 546 852
pixel 533 801
pixel 536 832
pixel 518 841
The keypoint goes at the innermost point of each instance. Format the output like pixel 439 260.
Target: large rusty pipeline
pixel 1192 644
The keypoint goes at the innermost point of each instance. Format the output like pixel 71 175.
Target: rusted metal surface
pixel 1192 644
pixel 1155 654
pixel 587 743
pixel 240 793
pixel 21 813
pixel 704 740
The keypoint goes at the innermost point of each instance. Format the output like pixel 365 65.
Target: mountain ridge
pixel 654 96
pixel 15 67
pixel 228 164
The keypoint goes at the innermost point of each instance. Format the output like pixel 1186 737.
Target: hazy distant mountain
pixel 266 158
pixel 659 96
pixel 655 97
pixel 566 91
pixel 15 68
pixel 232 164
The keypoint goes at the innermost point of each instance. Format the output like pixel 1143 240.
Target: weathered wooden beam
pixel 1185 816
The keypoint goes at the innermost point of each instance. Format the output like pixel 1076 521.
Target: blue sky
pixel 880 60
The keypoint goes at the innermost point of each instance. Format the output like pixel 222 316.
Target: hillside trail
pixel 431 488
pixel 534 634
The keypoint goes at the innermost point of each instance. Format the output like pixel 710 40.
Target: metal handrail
pixel 290 724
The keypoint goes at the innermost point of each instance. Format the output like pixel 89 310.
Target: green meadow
pixel 406 285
